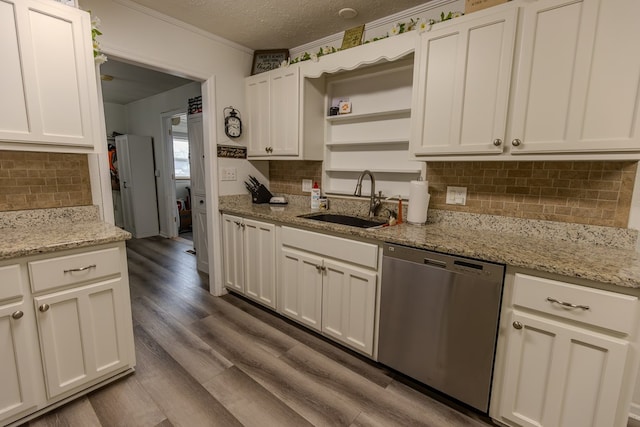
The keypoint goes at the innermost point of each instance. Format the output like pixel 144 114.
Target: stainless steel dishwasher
pixel 439 320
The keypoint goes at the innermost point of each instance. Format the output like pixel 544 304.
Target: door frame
pixel 99 164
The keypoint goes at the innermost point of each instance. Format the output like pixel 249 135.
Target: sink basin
pixel 352 221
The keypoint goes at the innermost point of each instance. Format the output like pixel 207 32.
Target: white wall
pixel 115 117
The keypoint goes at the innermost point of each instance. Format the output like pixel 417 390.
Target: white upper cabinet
pixel 48 83
pixel 273 105
pixel 572 91
pixel 578 85
pixel 461 78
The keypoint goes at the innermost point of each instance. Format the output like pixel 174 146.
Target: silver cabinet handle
pixel 73 270
pixel 43 308
pixel 567 304
pixel 17 315
pixel 497 142
pixel 516 142
pixel 517 325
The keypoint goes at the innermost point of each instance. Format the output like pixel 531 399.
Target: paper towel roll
pixel 418 202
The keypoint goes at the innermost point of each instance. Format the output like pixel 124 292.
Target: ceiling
pixel 275 24
pixel 131 83
pixel 268 24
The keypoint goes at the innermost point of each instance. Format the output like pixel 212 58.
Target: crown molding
pixel 336 39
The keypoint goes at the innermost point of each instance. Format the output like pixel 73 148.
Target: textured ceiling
pixel 275 24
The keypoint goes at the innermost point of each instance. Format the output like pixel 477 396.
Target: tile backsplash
pixel 583 192
pixel 31 180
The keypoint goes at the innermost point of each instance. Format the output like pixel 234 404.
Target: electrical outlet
pixel 229 174
pixel 306 185
pixel 456 195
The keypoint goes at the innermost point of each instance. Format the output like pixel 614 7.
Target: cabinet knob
pixel 43 308
pixel 516 142
pixel 202 202
pixel 17 315
pixel 517 325
pixel 497 142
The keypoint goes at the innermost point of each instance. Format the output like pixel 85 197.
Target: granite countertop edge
pixel 46 231
pixel 598 263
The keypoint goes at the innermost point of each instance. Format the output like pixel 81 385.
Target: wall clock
pixel 232 123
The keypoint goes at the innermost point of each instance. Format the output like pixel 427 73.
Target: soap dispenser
pixel 315 196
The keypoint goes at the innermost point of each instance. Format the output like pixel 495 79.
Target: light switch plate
pixel 456 195
pixel 306 185
pixel 229 174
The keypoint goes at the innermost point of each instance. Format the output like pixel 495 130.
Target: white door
pixel 82 334
pixel 233 253
pixel 348 304
pixel 578 83
pixel 560 375
pixel 138 185
pixel 284 111
pixel 199 225
pixel 300 287
pixel 257 116
pixel 463 73
pixel 260 262
pixel 16 392
pixel 47 80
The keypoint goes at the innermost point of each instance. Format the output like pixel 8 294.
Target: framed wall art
pixel 265 60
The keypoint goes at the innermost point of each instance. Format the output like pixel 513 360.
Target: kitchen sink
pixel 353 221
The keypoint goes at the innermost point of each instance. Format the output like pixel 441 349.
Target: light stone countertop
pixel 602 254
pixel 38 231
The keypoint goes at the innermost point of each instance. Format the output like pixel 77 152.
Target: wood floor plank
pixel 357 363
pixel 76 413
pixel 313 401
pixel 126 403
pixel 251 403
pixel 194 355
pixel 380 406
pixel 181 398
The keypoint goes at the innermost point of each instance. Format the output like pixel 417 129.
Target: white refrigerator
pixel 136 172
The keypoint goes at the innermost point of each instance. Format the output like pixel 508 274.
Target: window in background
pixel 180 147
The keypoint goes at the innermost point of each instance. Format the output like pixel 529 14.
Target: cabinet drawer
pixel 609 310
pixel 10 282
pixel 364 254
pixel 68 270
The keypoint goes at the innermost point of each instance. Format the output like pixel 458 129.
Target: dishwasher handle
pixel 434 262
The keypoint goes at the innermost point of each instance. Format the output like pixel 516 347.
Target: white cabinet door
pixel 348 304
pixel 578 86
pixel 560 375
pixel 83 334
pixel 300 287
pixel 257 117
pixel 16 393
pixel 233 242
pixel 48 75
pixel 284 110
pixel 260 262
pixel 463 74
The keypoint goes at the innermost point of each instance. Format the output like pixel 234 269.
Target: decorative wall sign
pixel 265 60
pixel 232 152
pixel 352 37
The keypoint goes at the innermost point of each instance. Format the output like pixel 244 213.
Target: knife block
pixel 262 195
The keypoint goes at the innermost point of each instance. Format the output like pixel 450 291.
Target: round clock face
pixel 233 127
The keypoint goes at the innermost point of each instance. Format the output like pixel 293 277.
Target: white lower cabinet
pixel 65 326
pixel 335 297
pixel 249 258
pixel 560 365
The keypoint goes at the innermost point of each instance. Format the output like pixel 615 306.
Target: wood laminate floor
pixel 203 361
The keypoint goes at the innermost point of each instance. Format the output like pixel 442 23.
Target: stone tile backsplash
pixel 31 180
pixel 582 192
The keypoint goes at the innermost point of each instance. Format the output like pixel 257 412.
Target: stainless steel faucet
pixel 374 201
